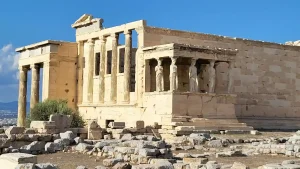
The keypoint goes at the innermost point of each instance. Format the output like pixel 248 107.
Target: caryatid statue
pixel 159 76
pixel 212 76
pixel 193 77
pixel 230 76
pixel 173 75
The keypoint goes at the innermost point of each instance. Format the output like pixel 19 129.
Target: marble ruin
pixel 182 81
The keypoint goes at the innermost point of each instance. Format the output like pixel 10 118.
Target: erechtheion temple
pixel 176 79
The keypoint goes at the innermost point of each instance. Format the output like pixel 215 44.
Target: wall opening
pixel 107 123
pixel 121 60
pixel 183 65
pixel 133 61
pixel 152 65
pixel 108 62
pixel 166 62
pixel 203 76
pixel 97 64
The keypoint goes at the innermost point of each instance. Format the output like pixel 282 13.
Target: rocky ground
pixel 265 150
pixel 73 160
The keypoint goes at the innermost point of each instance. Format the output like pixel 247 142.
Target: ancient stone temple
pixel 177 79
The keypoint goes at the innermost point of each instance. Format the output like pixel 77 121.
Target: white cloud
pixel 8 59
pixel 6 48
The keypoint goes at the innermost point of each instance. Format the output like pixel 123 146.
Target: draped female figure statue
pixel 230 76
pixel 159 76
pixel 173 75
pixel 193 77
pixel 212 76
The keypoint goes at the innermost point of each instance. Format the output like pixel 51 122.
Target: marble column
pixel 90 75
pixel 113 89
pixel 102 69
pixel 127 57
pixel 35 79
pixel 22 97
pixel 230 77
pixel 212 76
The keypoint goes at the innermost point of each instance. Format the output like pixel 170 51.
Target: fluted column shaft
pixel 90 80
pixel 127 57
pixel 35 79
pixel 113 89
pixel 22 97
pixel 102 69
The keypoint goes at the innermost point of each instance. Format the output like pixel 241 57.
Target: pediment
pixel 84 18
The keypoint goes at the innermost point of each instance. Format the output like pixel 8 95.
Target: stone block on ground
pixel 121 165
pixel 30 131
pixel 111 162
pixel 42 125
pixel 26 166
pixel 195 160
pixel 53 147
pixel 81 167
pixel 46 166
pixel 36 146
pixel 67 135
pixel 62 122
pixel 14 130
pixel 148 152
pixel 83 146
pixel 215 144
pixel 238 165
pixel 12 160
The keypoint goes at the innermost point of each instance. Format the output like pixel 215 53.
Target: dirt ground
pixel 72 160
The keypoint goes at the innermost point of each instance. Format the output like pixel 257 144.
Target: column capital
pixel 139 30
pixel 102 38
pixel 127 32
pixel 159 60
pixel 114 35
pixel 23 68
pixel 80 42
pixel 173 59
pixel 91 41
pixel 34 66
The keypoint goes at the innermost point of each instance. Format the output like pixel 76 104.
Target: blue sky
pixel 26 22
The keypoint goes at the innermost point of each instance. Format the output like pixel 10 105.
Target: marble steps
pixel 185 128
pixel 208 124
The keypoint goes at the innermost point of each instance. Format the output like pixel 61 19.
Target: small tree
pixel 42 111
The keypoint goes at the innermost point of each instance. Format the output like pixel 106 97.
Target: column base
pixel 125 102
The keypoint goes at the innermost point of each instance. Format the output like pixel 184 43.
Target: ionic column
pixel 212 76
pixel 22 97
pixel 35 79
pixel 230 77
pixel 102 69
pixel 90 79
pixel 113 90
pixel 127 57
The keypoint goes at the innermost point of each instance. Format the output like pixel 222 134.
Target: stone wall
pixel 265 74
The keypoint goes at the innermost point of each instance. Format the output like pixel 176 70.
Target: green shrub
pixel 42 111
